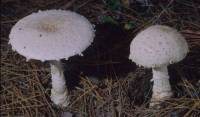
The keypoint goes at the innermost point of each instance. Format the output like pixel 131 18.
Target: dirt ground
pixel 124 89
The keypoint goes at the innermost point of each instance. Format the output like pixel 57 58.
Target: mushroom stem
pixel 161 85
pixel 59 92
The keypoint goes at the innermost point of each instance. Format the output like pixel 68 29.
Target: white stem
pixel 161 85
pixel 59 93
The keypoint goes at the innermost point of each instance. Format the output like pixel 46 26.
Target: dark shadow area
pixel 188 69
pixel 107 57
pixel 140 87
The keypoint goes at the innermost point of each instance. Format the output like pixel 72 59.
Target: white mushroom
pixel 156 47
pixel 52 35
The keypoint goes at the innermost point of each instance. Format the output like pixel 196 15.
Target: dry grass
pixel 25 86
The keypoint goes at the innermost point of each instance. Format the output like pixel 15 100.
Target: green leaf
pixel 129 25
pixel 109 19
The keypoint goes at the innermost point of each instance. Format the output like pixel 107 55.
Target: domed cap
pixel 158 45
pixel 51 35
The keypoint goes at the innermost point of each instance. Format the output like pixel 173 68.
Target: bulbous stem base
pixel 60 99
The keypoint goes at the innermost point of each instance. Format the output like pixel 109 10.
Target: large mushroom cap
pixel 158 45
pixel 51 35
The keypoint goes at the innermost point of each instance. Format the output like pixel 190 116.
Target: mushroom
pixel 156 47
pixel 52 35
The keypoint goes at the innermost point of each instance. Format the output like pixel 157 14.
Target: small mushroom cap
pixel 51 35
pixel 158 45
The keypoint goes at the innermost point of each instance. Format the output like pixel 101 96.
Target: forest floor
pixel 25 86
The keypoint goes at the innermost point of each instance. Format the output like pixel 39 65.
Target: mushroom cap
pixel 158 45
pixel 51 35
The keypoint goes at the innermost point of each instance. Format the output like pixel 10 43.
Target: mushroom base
pixel 60 99
pixel 161 86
